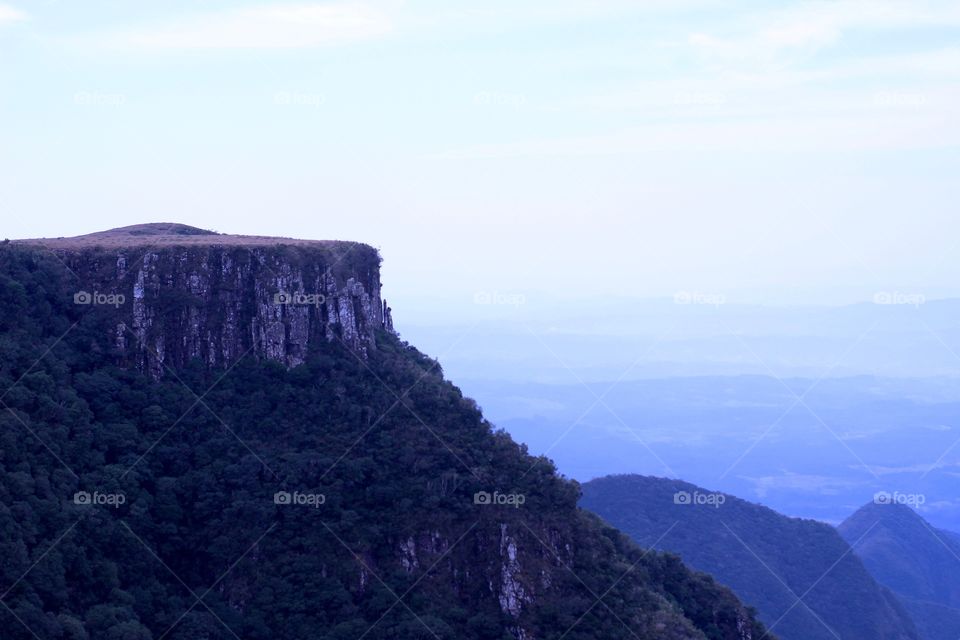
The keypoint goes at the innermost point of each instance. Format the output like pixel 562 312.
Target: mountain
pixel 208 436
pixel 917 561
pixel 801 575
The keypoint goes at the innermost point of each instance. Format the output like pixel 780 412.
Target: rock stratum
pixel 179 293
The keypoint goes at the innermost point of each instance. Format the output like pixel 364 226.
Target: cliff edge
pixel 171 293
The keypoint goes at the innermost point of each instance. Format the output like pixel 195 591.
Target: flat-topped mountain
pixel 171 233
pixel 170 293
pixel 310 490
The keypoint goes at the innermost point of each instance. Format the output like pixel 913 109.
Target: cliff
pixel 354 496
pixel 174 293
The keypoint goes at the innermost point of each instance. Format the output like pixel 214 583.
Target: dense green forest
pixel 184 535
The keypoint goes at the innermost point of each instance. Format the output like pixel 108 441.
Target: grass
pixel 167 234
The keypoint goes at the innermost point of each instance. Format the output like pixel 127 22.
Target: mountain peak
pixel 887 511
pixel 160 229
pixel 913 559
pixel 765 557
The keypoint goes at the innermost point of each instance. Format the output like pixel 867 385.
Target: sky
pixel 789 151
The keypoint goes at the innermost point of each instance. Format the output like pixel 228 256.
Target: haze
pixel 769 152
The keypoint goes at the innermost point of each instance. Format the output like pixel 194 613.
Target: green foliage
pixel 198 547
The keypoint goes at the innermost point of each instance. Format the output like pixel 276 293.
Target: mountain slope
pixel 800 574
pixel 192 480
pixel 919 562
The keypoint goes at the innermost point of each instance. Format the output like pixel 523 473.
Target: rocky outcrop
pixel 512 594
pixel 173 297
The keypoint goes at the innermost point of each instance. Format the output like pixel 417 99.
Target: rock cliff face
pixel 175 293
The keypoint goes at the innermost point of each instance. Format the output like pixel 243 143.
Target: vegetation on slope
pixel 331 501
pixel 917 561
pixel 801 575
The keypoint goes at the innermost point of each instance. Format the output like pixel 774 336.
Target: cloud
pixel 10 14
pixel 941 505
pixel 876 131
pixel 922 468
pixel 786 36
pixel 505 14
pixel 767 43
pixel 807 483
pixel 292 26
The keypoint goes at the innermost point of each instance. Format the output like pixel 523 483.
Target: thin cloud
pixel 807 483
pixel 10 14
pixel 803 133
pixel 923 468
pixel 784 34
pixel 295 26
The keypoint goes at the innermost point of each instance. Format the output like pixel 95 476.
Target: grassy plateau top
pixel 158 234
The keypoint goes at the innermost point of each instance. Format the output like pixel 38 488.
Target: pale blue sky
pixel 568 148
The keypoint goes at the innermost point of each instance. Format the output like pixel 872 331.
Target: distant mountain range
pixel 608 338
pixel 801 575
pixel 748 436
pixel 917 561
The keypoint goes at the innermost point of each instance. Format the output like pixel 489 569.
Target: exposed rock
pixel 408 555
pixel 512 593
pixel 190 294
